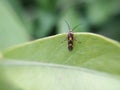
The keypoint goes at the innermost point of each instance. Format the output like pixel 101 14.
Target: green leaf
pixel 21 75
pixel 12 31
pixel 90 51
pixel 47 64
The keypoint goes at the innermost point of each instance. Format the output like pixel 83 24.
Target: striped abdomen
pixel 70 41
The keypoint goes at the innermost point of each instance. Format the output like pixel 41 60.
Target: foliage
pixel 46 64
pixel 28 20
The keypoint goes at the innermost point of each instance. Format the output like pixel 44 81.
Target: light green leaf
pixel 12 31
pixel 47 64
pixel 21 75
pixel 90 51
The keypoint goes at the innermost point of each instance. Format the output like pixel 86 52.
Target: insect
pixel 70 37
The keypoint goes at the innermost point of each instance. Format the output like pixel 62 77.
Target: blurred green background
pixel 26 20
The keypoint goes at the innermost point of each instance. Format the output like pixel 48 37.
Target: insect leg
pixel 76 40
pixel 64 40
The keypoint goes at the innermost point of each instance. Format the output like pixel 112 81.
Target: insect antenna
pixel 68 25
pixel 76 27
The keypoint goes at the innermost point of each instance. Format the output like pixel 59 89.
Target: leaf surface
pixel 90 51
